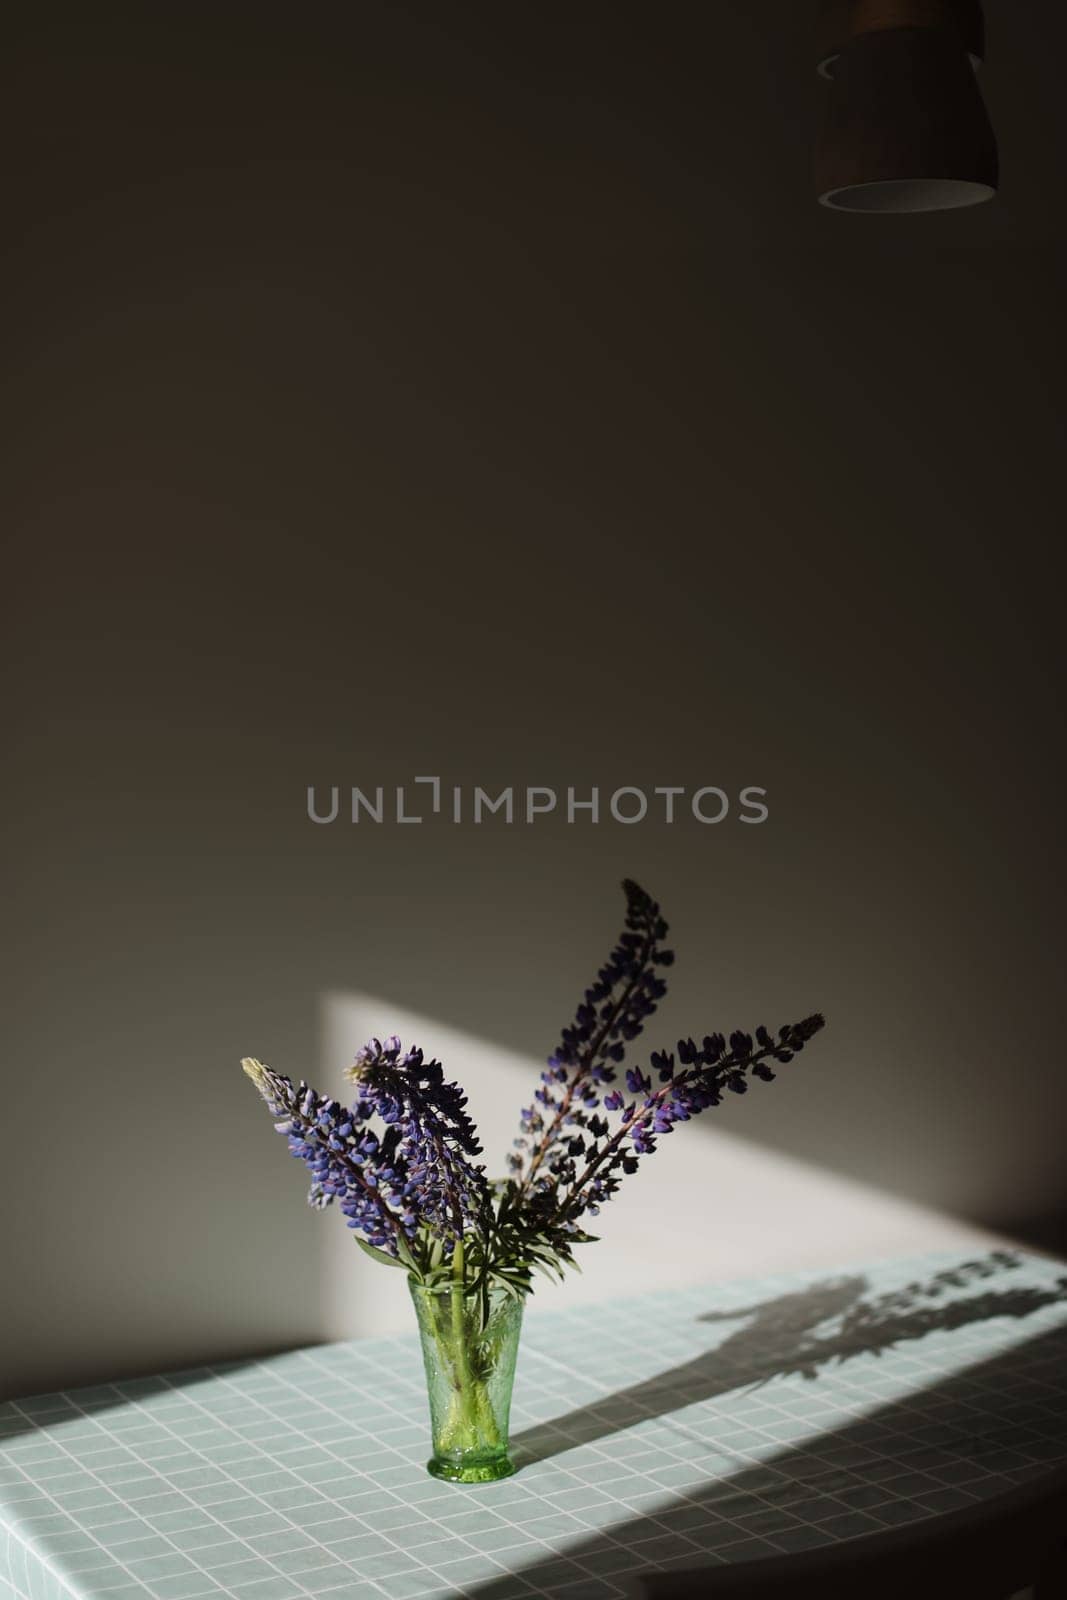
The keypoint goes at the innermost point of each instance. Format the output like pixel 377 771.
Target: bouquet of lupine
pixel 400 1158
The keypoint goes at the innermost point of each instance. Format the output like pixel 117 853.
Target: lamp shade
pixel 841 21
pixel 904 126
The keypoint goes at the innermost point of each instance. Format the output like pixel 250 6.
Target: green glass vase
pixel 469 1346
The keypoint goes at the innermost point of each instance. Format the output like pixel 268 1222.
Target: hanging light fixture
pixel 904 126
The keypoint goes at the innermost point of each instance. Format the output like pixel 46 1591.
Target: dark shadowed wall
pixel 393 389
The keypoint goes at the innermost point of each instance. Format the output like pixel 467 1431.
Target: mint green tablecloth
pixel 670 1431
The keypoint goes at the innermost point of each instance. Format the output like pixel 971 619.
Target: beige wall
pixel 426 402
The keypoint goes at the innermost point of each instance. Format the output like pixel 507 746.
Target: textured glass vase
pixel 469 1346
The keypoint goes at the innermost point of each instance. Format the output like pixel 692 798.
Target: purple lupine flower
pixel 410 1185
pixel 436 1137
pixel 612 1013
pixel 346 1160
pixel 708 1071
pixel 416 1173
pixel 662 1062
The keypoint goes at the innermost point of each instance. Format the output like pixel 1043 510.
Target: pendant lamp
pixel 904 125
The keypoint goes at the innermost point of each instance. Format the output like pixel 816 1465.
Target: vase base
pixel 475 1472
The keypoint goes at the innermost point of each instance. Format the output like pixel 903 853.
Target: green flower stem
pixel 470 1423
pixel 460 1363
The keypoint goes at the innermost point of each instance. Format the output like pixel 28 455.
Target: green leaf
pixel 380 1255
pixel 406 1256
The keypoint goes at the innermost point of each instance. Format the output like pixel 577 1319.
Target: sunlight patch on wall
pixel 708 1206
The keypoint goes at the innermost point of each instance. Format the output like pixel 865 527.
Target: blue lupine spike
pixel 417 1172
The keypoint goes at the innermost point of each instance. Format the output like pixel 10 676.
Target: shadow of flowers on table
pixel 797 1334
pixel 957 1444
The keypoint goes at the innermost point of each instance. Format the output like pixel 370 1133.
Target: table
pixel 667 1433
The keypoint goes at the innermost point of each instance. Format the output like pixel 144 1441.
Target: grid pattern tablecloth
pixel 670 1431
